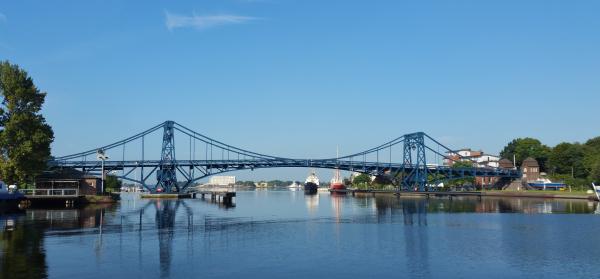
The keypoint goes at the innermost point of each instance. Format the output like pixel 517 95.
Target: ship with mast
pixel 336 182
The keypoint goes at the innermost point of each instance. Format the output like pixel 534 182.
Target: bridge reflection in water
pixel 161 227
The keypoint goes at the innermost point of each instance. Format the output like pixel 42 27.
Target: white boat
pixel 596 190
pixel 10 197
pixel 295 185
pixel 545 183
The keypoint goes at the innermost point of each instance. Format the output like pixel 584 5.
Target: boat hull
pixel 547 185
pixel 310 188
pixel 10 201
pixel 337 186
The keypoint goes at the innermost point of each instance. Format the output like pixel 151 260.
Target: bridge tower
pixel 415 172
pixel 167 172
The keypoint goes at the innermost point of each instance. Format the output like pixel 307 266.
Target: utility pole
pixel 572 172
pixel 102 156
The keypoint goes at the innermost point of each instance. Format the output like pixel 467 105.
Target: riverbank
pixel 489 193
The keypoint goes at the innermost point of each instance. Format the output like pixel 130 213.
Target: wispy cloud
pixel 2 17
pixel 201 22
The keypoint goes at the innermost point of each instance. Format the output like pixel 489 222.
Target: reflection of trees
pixel 420 205
pixel 22 252
pixel 22 245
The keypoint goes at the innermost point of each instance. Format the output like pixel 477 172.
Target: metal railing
pixel 67 192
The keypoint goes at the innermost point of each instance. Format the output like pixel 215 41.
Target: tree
pixel 567 158
pixel 462 181
pixel 591 160
pixel 593 143
pixel 522 148
pixel 112 182
pixel 25 137
pixel 362 179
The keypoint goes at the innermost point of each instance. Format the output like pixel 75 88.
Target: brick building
pixel 69 179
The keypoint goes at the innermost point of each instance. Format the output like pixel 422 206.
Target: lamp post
pixel 103 157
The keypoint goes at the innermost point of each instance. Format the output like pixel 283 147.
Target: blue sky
pixel 298 78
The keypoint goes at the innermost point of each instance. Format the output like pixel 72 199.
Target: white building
pixel 221 180
pixel 481 159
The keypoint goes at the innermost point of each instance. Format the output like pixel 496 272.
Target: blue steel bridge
pixel 403 160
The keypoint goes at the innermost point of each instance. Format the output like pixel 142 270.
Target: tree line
pixel 577 164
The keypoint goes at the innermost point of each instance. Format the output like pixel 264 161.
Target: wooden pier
pixel 68 196
pixel 167 196
pixel 224 197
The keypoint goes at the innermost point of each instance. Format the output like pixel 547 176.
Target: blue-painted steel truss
pixel 166 175
pixel 412 173
pixel 415 173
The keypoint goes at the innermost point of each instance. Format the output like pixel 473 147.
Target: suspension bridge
pixel 404 160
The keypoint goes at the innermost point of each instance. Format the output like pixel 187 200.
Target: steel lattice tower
pixel 415 173
pixel 167 173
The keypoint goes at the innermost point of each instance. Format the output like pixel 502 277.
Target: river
pixel 285 234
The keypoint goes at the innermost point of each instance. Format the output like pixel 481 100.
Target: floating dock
pixel 224 197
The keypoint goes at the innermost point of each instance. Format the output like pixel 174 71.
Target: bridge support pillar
pixel 167 172
pixel 415 172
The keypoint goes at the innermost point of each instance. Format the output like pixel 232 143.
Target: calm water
pixel 285 234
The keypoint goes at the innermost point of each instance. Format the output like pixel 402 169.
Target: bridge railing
pixel 67 192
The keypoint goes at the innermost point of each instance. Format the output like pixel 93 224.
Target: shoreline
pixel 491 193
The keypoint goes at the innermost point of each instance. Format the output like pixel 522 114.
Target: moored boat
pixel 10 197
pixel 311 184
pixel 546 184
pixel 596 190
pixel 295 185
pixel 336 182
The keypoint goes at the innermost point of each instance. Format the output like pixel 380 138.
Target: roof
pixel 505 163
pixel 64 173
pixel 530 162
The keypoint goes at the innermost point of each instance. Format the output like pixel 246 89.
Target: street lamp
pixel 103 157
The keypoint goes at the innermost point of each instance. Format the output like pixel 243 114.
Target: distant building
pixel 481 159
pixel 222 180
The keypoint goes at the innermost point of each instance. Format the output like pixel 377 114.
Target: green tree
pixel 25 137
pixel 593 143
pixel 462 181
pixel 112 182
pixel 522 148
pixel 567 158
pixel 361 181
pixel 591 160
